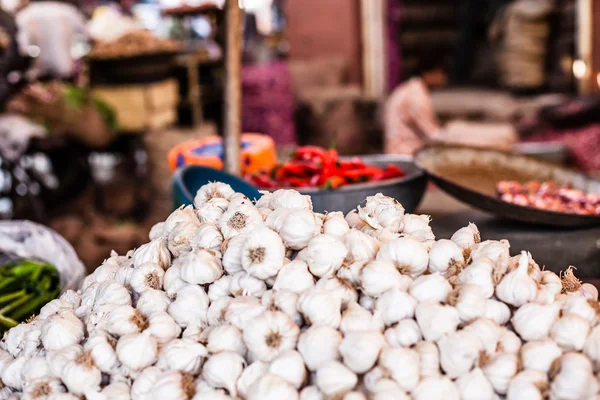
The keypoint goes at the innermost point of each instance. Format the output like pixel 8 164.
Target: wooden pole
pixel 233 87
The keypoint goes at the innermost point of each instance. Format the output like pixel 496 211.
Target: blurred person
pixel 47 30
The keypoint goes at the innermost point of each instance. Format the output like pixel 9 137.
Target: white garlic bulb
pixel 475 386
pixel 212 190
pixel 445 255
pixel 173 385
pixel 179 240
pixel 539 354
pixel 241 310
pixel 436 388
pixel 207 237
pixel 550 287
pixel 528 384
pixel 469 302
pixel 379 380
pixel 270 334
pixel 429 359
pixel 517 287
pixel 172 281
pixel 117 391
pixel 432 287
pixel 335 379
pixel 232 254
pixel 335 225
pixel 249 376
pixel 319 345
pixel 144 382
pixel 360 246
pixel 394 306
pixel 212 210
pixel 382 212
pixel 290 366
pixel 184 214
pixel 572 377
pixel 534 321
pixel 182 355
pixel 289 198
pixel 377 277
pixel 324 255
pixel 405 333
pixel 239 220
pixel 295 277
pixel 321 307
pixel 137 351
pixel 80 374
pixel 403 365
pixel 496 311
pixel 487 332
pixel 466 238
pixel 223 369
pixel 263 253
pixel 436 320
pixel 101 348
pixel 357 319
pixel 340 287
pixel 586 308
pixel 509 342
pixel 360 350
pixel 61 330
pixel 570 332
pixel 190 306
pixel 155 252
pixel 479 273
pixel 152 301
pixel 408 255
pixel 500 370
pixel 272 387
pixel 299 226
pixel 458 352
pixel 200 266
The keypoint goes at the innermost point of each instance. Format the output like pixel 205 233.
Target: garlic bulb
pixel 509 342
pixel 144 382
pixel 284 301
pixel 340 287
pixel 534 321
pixel 592 344
pixel 211 191
pixel 479 273
pixel 335 225
pixel 11 375
pixel 408 255
pixel 586 308
pixel 335 379
pixel 35 368
pixel 270 334
pixel 263 253
pixel 207 237
pixel 319 345
pixel 44 387
pixel 498 251
pixel 405 333
pixel 61 330
pixel 80 374
pixel 350 271
pixel 466 238
pixel 117 391
pixel 179 240
pixel 289 198
pixel 320 307
pixel 163 327
pixel 429 359
pixel 324 255
pixel 137 351
pixel 487 332
pixel 272 387
pixel 101 348
pixel 496 311
pixel 223 369
pixel 290 366
pixel 181 215
pixel 360 350
pixel 360 245
pixel 500 370
pixel 433 287
pixel 468 301
pixel 172 281
pixel 379 380
pixel 394 306
pixel 226 337
pixel 190 306
pixel 241 310
pixel 550 286
pixel 539 354
pixel 357 319
pixel 155 252
pixel 212 210
pixel 354 220
pixel 445 255
pixel 295 277
pixel 403 365
pixel 152 301
pixel 458 352
pixel 436 388
pixel 239 220
pixel 377 277
pixel 570 332
pixel 249 376
pixel 244 284
pixel 382 212
pixel 232 254
pixel 436 320
pixel 200 266
pixel 173 385
pixel 475 386
pixel 517 287
pixel 572 377
pixel 157 230
pixel 528 384
pixel 147 276
pixel 298 228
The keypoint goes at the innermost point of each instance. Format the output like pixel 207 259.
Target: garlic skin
pixel 155 252
pixel 289 198
pixel 539 354
pixel 475 386
pixel 436 388
pixel 61 330
pixel 179 240
pixel 148 276
pixel 298 228
pixel 516 287
pixel 382 212
pixel 152 301
pixel 137 351
pixel 81 375
pixel 469 302
pixel 241 310
pixel 156 232
pixel 550 287
pixel 343 289
pixel 249 376
pixel 508 342
pixel 207 237
pixel 212 210
pixel 101 349
pixel 272 387
pixel 172 385
pixel 408 255
pixel 479 273
pixel 445 255
pixel 496 311
pixel 226 337
pixel 200 267
pixel 190 306
pixel 295 277
pixel 592 344
pixel 172 281
pixel 360 350
pixel 335 225
pixel 182 215
pixel 433 287
pixel 212 190
pixel 534 321
pixel 143 383
pixel 263 253
pixel 498 251
pixel 572 377
pixel 360 246
pixel 35 368
pixel 436 320
pixel 163 327
pixel 528 384
pixel 377 277
pixel 394 306
pixel 379 380
pixel 232 254
pixel 244 284
pixel 239 220
pixel 466 238
pixel 270 334
pixel 429 359
pixel 324 255
pixel 219 288
pixel 290 366
pixel 11 376
pixel 335 379
pixel 500 370
pixel 404 366
pixel 319 345
pixel 570 332
pixel 216 311
pixel 487 332
pixel 321 307
pixel 585 308
pixel 405 333
pixel 358 319
pixel 458 352
pixel 222 370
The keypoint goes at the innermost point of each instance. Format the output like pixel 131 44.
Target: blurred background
pixel 96 95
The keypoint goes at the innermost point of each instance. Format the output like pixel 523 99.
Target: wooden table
pixel 553 248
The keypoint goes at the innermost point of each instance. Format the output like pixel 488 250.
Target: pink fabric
pixel 268 102
pixel 583 144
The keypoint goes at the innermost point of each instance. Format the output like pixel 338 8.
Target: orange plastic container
pixel 257 153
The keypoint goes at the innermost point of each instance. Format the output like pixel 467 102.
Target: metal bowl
pixel 470 175
pixel 408 190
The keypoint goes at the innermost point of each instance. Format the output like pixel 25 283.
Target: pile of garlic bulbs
pixel 235 300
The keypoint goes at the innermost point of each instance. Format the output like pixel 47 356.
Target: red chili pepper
pixel 295 182
pixel 334 182
pixel 329 165
pixel 392 171
pixel 310 153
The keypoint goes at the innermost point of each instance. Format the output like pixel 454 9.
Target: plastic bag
pixel 26 239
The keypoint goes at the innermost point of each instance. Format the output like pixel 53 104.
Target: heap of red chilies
pixel 313 166
pixel 549 196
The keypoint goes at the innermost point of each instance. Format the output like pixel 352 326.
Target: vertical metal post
pixel 233 87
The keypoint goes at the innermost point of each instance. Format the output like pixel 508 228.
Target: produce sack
pixel 28 240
